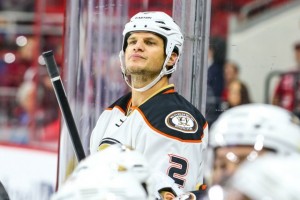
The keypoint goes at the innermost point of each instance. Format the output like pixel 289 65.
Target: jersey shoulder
pixel 122 102
pixel 172 115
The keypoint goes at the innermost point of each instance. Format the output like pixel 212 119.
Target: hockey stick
pixel 3 193
pixel 63 103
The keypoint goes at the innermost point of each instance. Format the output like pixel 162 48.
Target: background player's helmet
pixel 116 172
pixel 268 177
pixel 161 24
pixel 257 125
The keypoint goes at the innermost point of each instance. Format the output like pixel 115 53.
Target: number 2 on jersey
pixel 178 169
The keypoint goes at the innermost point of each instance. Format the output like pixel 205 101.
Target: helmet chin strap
pixel 163 72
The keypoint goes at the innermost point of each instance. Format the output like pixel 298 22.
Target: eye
pixel 131 42
pixel 149 42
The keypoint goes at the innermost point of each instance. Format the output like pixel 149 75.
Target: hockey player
pixel 153 118
pixel 248 131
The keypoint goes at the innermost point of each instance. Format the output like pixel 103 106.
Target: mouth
pixel 136 56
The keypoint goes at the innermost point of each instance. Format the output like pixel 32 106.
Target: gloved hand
pixel 164 187
pixel 186 196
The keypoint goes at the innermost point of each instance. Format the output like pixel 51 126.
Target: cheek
pixel 158 58
pixel 126 54
pixel 159 61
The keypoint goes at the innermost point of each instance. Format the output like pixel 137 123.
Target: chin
pixel 134 69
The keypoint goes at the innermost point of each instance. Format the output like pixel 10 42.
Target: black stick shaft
pixel 3 192
pixel 63 103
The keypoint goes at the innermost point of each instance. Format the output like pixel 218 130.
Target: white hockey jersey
pixel 167 129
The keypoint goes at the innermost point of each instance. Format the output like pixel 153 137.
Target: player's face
pixel 144 55
pixel 228 159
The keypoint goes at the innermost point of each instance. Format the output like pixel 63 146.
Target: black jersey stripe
pixel 109 141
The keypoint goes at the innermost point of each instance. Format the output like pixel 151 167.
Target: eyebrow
pixel 146 38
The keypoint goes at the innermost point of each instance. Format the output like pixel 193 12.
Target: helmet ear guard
pixel 161 24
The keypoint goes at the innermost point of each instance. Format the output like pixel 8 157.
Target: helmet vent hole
pixel 257 126
pixel 145 26
pixel 161 22
pixel 134 26
pixel 165 28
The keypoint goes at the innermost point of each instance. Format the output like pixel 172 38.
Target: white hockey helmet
pixel 268 177
pixel 116 172
pixel 161 24
pixel 258 125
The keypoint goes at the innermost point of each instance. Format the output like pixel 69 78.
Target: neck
pixel 139 97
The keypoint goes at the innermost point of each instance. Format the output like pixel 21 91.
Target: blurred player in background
pixel 248 131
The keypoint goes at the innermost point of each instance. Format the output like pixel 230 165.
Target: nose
pixel 138 46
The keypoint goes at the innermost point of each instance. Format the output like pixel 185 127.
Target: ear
pixel 173 59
